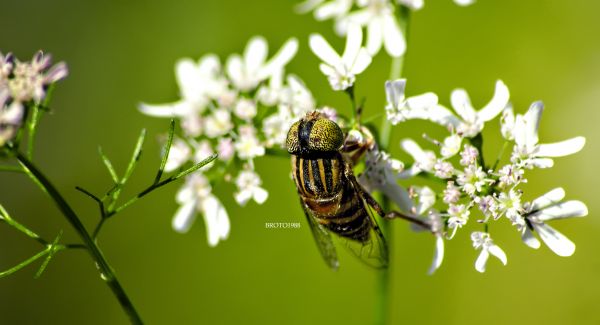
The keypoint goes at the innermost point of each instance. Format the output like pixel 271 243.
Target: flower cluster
pixel 23 84
pixel 239 110
pixel 473 189
pixel 378 17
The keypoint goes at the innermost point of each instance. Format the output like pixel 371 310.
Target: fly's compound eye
pixel 325 136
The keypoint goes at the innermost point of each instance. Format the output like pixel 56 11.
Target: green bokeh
pixel 123 52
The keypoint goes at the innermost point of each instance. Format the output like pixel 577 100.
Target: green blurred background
pixel 123 52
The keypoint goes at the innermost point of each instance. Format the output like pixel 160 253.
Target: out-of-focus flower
pixel 11 118
pixel 195 196
pixel 464 2
pixel 423 160
pixel 412 4
pixel 482 240
pixel 225 149
pixel 382 27
pixel 546 208
pixel 248 71
pixel 218 123
pixel 341 71
pixel 248 184
pixel 247 145
pixel 245 109
pixel 527 149
pixel 473 121
pixel 179 154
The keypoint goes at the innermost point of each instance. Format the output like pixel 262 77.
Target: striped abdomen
pixel 330 197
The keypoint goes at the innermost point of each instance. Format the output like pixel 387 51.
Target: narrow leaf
pixel 52 250
pixel 166 151
pixel 109 166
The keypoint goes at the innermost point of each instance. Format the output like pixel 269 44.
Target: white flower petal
pixel 216 219
pixel 550 198
pixel 529 239
pixel 556 241
pixel 184 217
pixel 234 68
pixel 353 45
pixel 542 162
pixel 560 149
pixel 394 91
pixel 177 109
pixel 260 195
pixel 498 252
pixel 423 101
pixel 532 121
pixel 280 59
pixel 462 104
pixel 496 104
pixel 393 40
pixel 255 53
pixel 438 255
pixel 323 50
pixel 482 260
pixel 362 61
pixel 562 210
pixel 374 36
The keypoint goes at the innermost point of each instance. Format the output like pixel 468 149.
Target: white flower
pixel 412 4
pixel 451 145
pixel 400 108
pixel 179 153
pixel 473 121
pixel 341 71
pixel 248 71
pixel 248 184
pixel 509 204
pixel 195 196
pixel 443 169
pixel 382 173
pixel 529 151
pixel 546 208
pixel 468 156
pixel 382 27
pixel 297 97
pixel 218 123
pixel 451 193
pixel 245 109
pixel 507 123
pixel 464 2
pixel 459 216
pixel 225 149
pixel 247 145
pixel 271 94
pixel 11 118
pixel 482 240
pixel 487 205
pixel 198 82
pixel 510 175
pixel 331 9
pixel 472 179
pixel 424 160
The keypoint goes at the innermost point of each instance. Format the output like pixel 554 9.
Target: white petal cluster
pixel 378 17
pixel 474 188
pixel 23 84
pixel 237 110
pixel 341 70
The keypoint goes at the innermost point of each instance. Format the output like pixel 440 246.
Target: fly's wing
pixel 373 250
pixel 322 238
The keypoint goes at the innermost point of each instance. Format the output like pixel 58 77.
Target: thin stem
pixel 13 223
pixel 383 298
pixel 11 169
pixel 24 263
pixel 504 146
pixel 106 271
pixel 155 186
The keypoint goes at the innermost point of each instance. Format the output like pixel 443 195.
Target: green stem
pixel 106 272
pixel 383 299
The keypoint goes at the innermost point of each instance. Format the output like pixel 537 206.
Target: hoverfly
pixel 332 199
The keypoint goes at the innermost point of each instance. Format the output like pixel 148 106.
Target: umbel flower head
pixel 474 189
pixel 23 85
pixel 237 111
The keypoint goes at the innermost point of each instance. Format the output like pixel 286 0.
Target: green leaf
pixel 166 151
pixel 109 166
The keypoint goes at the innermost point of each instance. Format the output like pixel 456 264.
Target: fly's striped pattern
pixel 331 197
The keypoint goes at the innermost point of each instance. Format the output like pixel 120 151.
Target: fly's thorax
pixel 314 134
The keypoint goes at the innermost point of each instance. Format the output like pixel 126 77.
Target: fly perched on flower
pixel 332 199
